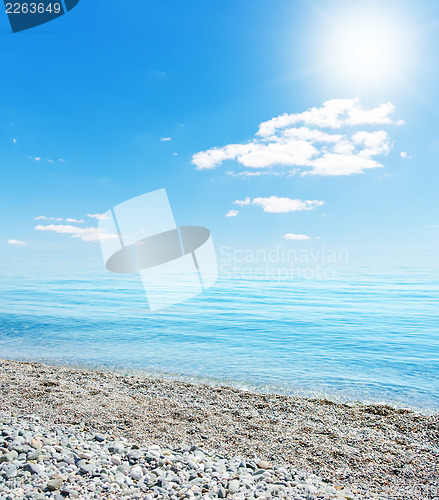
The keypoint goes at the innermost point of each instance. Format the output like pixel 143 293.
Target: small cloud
pixel 405 155
pixel 61 160
pixel 50 161
pixel 17 243
pixel 232 213
pixel 37 158
pixel 277 205
pixel 157 73
pixel 242 203
pixel 98 216
pixel 296 237
pixel 78 221
pixel 175 154
pixel 244 173
pixel 165 139
pixel 84 233
pixel 43 217
pixel 14 140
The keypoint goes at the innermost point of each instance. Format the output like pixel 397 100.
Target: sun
pixel 366 47
pixel 366 52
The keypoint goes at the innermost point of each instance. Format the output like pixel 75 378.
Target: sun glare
pixel 369 49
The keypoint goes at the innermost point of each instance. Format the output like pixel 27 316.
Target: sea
pixel 354 326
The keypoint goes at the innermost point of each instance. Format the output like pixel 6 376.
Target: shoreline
pixel 376 448
pixel 233 384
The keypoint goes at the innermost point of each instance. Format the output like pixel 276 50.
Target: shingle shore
pixel 59 462
pixel 310 447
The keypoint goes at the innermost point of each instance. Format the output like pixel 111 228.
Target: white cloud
pixel 63 229
pixel 337 164
pixel 174 154
pixel 14 140
pixel 78 221
pixel 43 217
pixel 17 243
pixel 232 213
pixel 156 73
pixel 258 154
pixel 373 143
pixel 296 237
pixel 165 139
pixel 215 156
pixel 98 216
pixel 242 203
pixel 277 205
pixel 37 158
pixel 405 155
pixel 244 173
pixel 334 114
pixel 293 142
pixel 84 233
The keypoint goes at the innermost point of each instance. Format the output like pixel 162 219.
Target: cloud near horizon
pixel 278 205
pixel 77 221
pixel 84 233
pixel 17 243
pixel 232 213
pixel 59 219
pixel 297 143
pixel 43 217
pixel 98 216
pixel 296 237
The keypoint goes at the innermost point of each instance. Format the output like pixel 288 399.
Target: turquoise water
pixel 363 329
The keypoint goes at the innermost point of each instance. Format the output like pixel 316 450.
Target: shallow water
pixel 365 329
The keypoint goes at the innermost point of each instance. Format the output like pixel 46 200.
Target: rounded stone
pixel 34 468
pixel 263 464
pixel 234 486
pixel 54 484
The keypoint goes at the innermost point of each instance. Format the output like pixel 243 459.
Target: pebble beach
pixel 79 433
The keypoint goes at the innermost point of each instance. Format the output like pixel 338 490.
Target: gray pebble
pixel 34 468
pixel 10 470
pixel 54 484
pixel 77 465
pixel 233 486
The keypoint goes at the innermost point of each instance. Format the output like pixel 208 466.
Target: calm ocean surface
pixel 366 329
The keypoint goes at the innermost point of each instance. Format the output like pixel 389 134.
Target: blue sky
pixel 87 99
